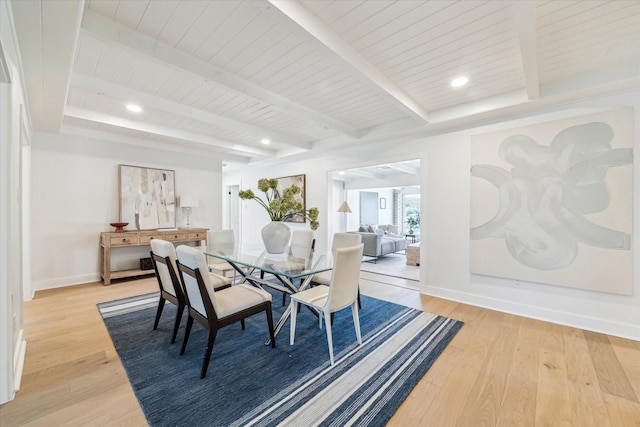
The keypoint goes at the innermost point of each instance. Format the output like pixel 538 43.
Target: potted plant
pixel 413 220
pixel 280 206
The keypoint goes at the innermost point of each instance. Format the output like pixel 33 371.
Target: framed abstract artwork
pixel 288 181
pixel 147 197
pixel 552 203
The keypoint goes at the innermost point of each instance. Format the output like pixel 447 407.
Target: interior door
pixel 233 211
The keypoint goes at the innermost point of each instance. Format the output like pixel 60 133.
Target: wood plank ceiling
pixel 217 77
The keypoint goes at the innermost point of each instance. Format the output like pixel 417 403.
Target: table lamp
pixel 188 202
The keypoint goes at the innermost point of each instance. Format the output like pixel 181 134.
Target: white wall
pixel 74 197
pixel 254 217
pixel 445 198
pixel 12 122
pixel 385 216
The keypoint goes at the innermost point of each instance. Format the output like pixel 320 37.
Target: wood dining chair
pixel 341 293
pixel 215 309
pixel 163 257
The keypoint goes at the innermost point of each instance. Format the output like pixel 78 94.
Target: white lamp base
pixel 188 217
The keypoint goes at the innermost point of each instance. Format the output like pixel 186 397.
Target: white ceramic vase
pixel 275 236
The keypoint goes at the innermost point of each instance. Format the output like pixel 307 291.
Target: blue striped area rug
pixel 251 384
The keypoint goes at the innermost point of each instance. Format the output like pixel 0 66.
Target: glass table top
pixel 295 262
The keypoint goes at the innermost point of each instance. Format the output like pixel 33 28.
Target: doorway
pixel 397 203
pixel 233 211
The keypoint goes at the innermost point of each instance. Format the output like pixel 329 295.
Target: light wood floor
pixel 499 370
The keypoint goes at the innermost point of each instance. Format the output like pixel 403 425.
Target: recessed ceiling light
pixel 459 81
pixel 266 141
pixel 134 108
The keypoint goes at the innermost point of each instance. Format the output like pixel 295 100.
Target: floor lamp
pixel 344 208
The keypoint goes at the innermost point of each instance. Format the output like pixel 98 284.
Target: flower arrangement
pixel 281 206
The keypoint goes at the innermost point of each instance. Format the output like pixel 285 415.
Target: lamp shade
pixel 344 207
pixel 188 201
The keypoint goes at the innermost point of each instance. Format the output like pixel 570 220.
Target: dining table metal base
pixel 287 286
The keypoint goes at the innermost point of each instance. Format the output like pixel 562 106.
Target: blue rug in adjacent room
pixel 249 383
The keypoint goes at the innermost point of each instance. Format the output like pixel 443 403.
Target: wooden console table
pixel 111 240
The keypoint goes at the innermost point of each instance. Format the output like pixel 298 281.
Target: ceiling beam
pixel 48 34
pixel 94 85
pixel 174 146
pixel 401 167
pixel 108 31
pixel 224 146
pixel 363 69
pixel 524 13
pixel 363 173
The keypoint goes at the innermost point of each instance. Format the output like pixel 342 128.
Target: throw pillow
pixel 371 229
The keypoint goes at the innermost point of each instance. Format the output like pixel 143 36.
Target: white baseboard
pixel 18 365
pixel 61 282
pixel 590 323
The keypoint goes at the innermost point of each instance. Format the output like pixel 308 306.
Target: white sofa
pixel 378 241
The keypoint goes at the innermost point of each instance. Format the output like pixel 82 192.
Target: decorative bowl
pixel 119 226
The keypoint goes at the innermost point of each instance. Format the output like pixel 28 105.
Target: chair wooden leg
pixel 270 324
pixel 176 326
pixel 327 325
pixel 187 331
pixel 207 353
pixel 159 312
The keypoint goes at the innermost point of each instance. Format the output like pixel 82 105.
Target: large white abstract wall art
pixel 147 197
pixel 552 203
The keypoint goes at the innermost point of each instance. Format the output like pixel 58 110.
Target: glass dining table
pixel 290 271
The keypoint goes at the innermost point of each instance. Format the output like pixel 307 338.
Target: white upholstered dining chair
pixel 301 245
pixel 341 293
pixel 163 256
pixel 340 240
pixel 221 240
pixel 215 309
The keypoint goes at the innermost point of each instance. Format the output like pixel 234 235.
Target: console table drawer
pixel 124 240
pixel 172 237
pixel 148 237
pixel 197 235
